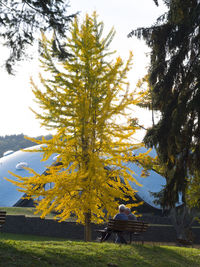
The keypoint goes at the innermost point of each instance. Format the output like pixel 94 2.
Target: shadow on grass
pixel 168 256
pixel 49 252
pixel 45 254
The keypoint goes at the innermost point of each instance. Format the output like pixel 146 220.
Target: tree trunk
pixel 87 228
pixel 182 218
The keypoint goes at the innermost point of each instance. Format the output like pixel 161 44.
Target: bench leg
pixel 106 236
pixel 120 238
pixel 130 238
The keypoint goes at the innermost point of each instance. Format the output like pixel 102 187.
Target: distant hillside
pixel 16 142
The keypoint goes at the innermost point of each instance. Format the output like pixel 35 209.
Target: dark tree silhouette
pixel 22 20
pixel 175 81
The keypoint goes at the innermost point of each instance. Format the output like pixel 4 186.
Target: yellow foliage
pixel 81 99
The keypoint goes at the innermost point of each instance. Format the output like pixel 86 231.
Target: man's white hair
pixel 122 208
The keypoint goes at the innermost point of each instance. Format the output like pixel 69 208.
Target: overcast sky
pixel 16 96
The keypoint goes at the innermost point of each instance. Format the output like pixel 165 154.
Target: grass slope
pixel 19 211
pixel 22 250
pixel 29 212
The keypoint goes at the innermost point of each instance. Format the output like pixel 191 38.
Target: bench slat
pixel 128 226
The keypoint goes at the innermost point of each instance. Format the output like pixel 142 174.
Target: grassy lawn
pixel 28 212
pixel 20 211
pixel 22 250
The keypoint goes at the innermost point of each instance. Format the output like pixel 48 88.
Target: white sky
pixel 124 15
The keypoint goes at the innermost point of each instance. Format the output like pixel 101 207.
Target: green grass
pixel 22 250
pixel 28 212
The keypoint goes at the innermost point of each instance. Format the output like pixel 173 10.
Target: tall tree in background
pixel 82 98
pixel 22 20
pixel 182 214
pixel 175 81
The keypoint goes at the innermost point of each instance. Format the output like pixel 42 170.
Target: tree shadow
pixel 166 256
pixel 49 252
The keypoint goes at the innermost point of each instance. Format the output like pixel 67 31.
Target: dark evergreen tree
pixel 174 76
pixel 22 20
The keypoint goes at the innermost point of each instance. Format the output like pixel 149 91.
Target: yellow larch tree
pixel 85 99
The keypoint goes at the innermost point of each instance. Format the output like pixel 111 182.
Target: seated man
pixel 122 213
pixel 130 215
pixel 119 216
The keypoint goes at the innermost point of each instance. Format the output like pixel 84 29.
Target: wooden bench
pixel 133 228
pixel 2 218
